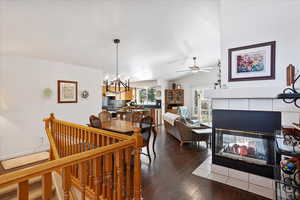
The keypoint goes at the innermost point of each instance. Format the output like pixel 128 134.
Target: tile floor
pixel 248 182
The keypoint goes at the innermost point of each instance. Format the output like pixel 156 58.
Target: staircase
pixel 85 163
pixel 35 191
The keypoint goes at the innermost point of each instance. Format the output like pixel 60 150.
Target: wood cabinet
pixel 128 95
pixel 174 98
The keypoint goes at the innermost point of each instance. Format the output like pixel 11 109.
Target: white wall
pixel 22 81
pixel 246 22
pixel 198 80
pixel 144 84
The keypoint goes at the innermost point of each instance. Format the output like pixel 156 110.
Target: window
pixel 201 106
pixel 146 96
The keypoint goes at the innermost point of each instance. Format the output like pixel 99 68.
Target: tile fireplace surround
pixel 259 99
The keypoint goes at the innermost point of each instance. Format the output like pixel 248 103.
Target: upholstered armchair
pixel 182 131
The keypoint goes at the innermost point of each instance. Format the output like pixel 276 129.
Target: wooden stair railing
pixel 102 165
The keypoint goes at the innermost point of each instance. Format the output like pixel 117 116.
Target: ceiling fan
pixel 196 68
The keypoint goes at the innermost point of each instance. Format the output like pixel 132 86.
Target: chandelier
pixel 116 85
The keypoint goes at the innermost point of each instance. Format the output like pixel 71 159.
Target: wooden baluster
pixel 74 140
pixel 107 140
pixel 90 165
pixel 72 147
pixel 97 170
pixel 85 140
pixel 108 175
pixel 77 149
pixel 93 143
pixel 137 164
pixel 66 182
pixel 60 140
pixel 47 186
pixel 90 174
pixel 56 135
pixel 53 131
pixel 68 140
pixel 23 190
pixel 80 140
pixel 97 143
pixel 129 187
pixel 77 140
pixel 63 139
pixel 103 141
pixel 82 178
pixel 114 181
pixel 119 174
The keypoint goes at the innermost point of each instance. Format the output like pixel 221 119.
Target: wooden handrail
pixel 38 170
pixel 95 130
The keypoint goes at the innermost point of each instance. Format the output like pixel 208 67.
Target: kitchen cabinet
pixel 126 96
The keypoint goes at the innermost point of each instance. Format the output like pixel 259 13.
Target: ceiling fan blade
pixel 206 68
pixel 203 70
pixel 184 71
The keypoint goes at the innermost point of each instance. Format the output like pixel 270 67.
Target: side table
pixel 202 132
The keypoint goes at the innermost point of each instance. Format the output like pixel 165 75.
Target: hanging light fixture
pixel 116 85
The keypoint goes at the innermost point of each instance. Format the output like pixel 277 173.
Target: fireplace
pixel 244 140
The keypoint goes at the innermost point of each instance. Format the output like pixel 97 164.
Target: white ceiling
pixel 156 35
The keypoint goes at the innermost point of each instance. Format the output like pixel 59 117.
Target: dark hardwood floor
pixel 169 176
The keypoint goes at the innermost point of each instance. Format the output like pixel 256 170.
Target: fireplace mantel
pixel 244 93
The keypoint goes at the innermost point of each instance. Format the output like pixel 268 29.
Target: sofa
pixel 182 131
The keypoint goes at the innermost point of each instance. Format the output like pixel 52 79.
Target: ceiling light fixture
pixel 116 85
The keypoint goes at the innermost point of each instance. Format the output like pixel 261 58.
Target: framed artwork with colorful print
pixel 253 62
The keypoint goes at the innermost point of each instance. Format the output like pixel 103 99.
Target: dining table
pixel 126 127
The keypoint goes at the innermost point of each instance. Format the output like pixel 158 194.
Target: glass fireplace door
pixel 246 146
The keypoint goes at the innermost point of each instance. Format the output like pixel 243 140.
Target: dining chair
pixel 120 115
pixel 105 116
pixel 137 116
pixel 128 116
pixel 95 122
pixel 146 130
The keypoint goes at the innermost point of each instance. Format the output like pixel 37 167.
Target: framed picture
pixel 254 62
pixel 67 91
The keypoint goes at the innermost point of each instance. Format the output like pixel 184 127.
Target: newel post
pixel 137 164
pixel 49 125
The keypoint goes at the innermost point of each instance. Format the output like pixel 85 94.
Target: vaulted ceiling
pixel 157 36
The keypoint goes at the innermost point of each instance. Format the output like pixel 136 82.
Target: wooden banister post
pixel 49 126
pixel 83 178
pixel 137 164
pixel 108 176
pixel 23 188
pixel 119 172
pixel 47 186
pixel 66 182
pixel 97 171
